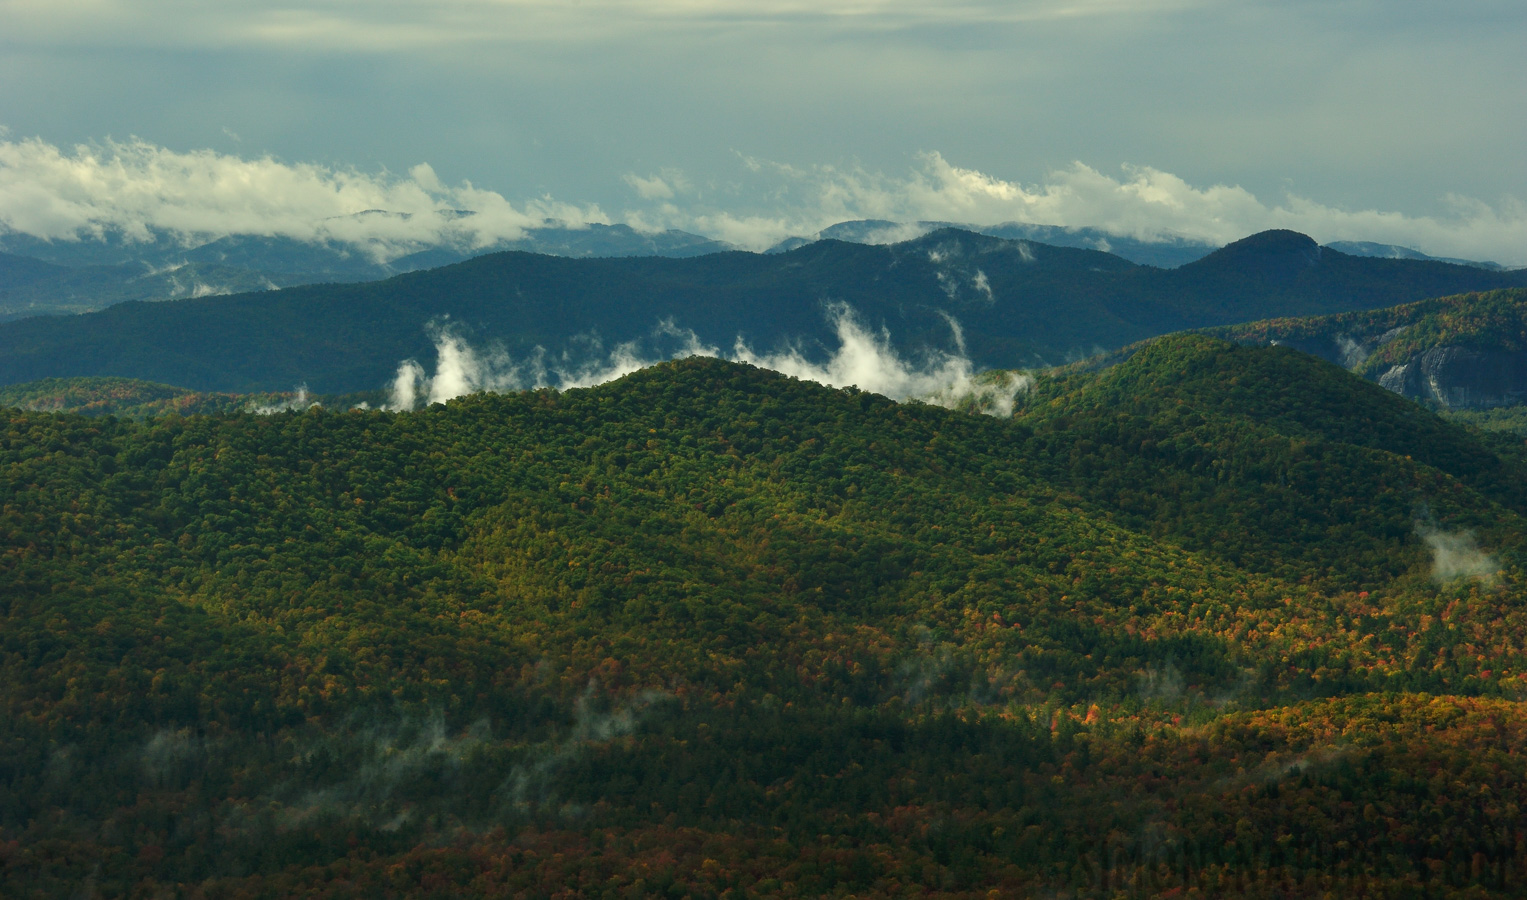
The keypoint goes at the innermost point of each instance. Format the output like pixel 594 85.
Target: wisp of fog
pixel 864 359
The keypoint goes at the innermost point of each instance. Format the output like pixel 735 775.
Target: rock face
pixel 1461 377
pixel 1463 351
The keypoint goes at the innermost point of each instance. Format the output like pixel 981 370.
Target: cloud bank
pixel 137 190
pixel 1144 203
pixel 863 359
pixel 390 25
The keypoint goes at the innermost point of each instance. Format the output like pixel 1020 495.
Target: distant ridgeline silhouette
pixel 1018 303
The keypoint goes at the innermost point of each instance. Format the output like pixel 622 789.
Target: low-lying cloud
pixel 1142 202
pixel 297 402
pixel 864 359
pixel 1456 554
pixel 138 191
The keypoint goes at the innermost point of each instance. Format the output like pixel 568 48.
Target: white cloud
pixel 298 402
pixel 863 359
pixel 1456 554
pixel 1143 203
pixel 387 25
pixel 867 360
pixel 654 188
pixel 136 188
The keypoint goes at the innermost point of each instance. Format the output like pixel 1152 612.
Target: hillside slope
pixel 1180 625
pixel 1458 352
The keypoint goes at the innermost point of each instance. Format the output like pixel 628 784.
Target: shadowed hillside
pixel 1018 303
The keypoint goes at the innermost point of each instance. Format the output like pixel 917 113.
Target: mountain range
pixel 97 272
pixel 1003 303
pixel 89 275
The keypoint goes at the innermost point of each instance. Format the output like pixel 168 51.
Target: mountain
pixel 1220 619
pixel 88 275
pixel 1467 351
pixel 1017 304
pixel 1394 251
pixel 1166 253
pixel 32 287
pixel 133 399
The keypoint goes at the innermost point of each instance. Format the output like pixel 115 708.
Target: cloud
pixel 867 360
pixel 138 190
pixel 1142 202
pixel 390 25
pixel 654 188
pixel 460 369
pixel 863 359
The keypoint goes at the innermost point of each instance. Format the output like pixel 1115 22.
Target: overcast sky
pixel 1402 122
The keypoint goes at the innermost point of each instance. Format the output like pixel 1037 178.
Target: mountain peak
pixel 1277 240
pixel 1278 254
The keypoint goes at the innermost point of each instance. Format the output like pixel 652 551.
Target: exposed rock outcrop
pixel 1461 377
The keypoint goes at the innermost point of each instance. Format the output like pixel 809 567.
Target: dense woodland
pixel 1217 621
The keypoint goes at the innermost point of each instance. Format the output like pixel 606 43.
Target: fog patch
pixel 461 369
pixel 382 760
pixel 916 676
pixel 167 754
pixel 983 286
pixel 1137 202
pixel 1353 353
pixel 864 359
pixel 298 402
pixel 897 233
pixel 529 785
pixel 1456 554
pixel 1161 684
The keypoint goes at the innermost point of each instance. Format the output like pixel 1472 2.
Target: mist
pixel 298 402
pixel 864 359
pixel 1456 554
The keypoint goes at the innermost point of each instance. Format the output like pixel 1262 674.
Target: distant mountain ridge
pixel 82 276
pixel 1018 303
pixel 1460 352
pixel 1167 252
pixel 74 276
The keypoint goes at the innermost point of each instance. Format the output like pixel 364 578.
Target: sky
pixel 1398 122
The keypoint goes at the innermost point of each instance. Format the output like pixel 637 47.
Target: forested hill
pixel 1020 304
pixel 1222 619
pixel 1458 352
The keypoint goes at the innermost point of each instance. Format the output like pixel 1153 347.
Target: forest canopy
pixel 1219 619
